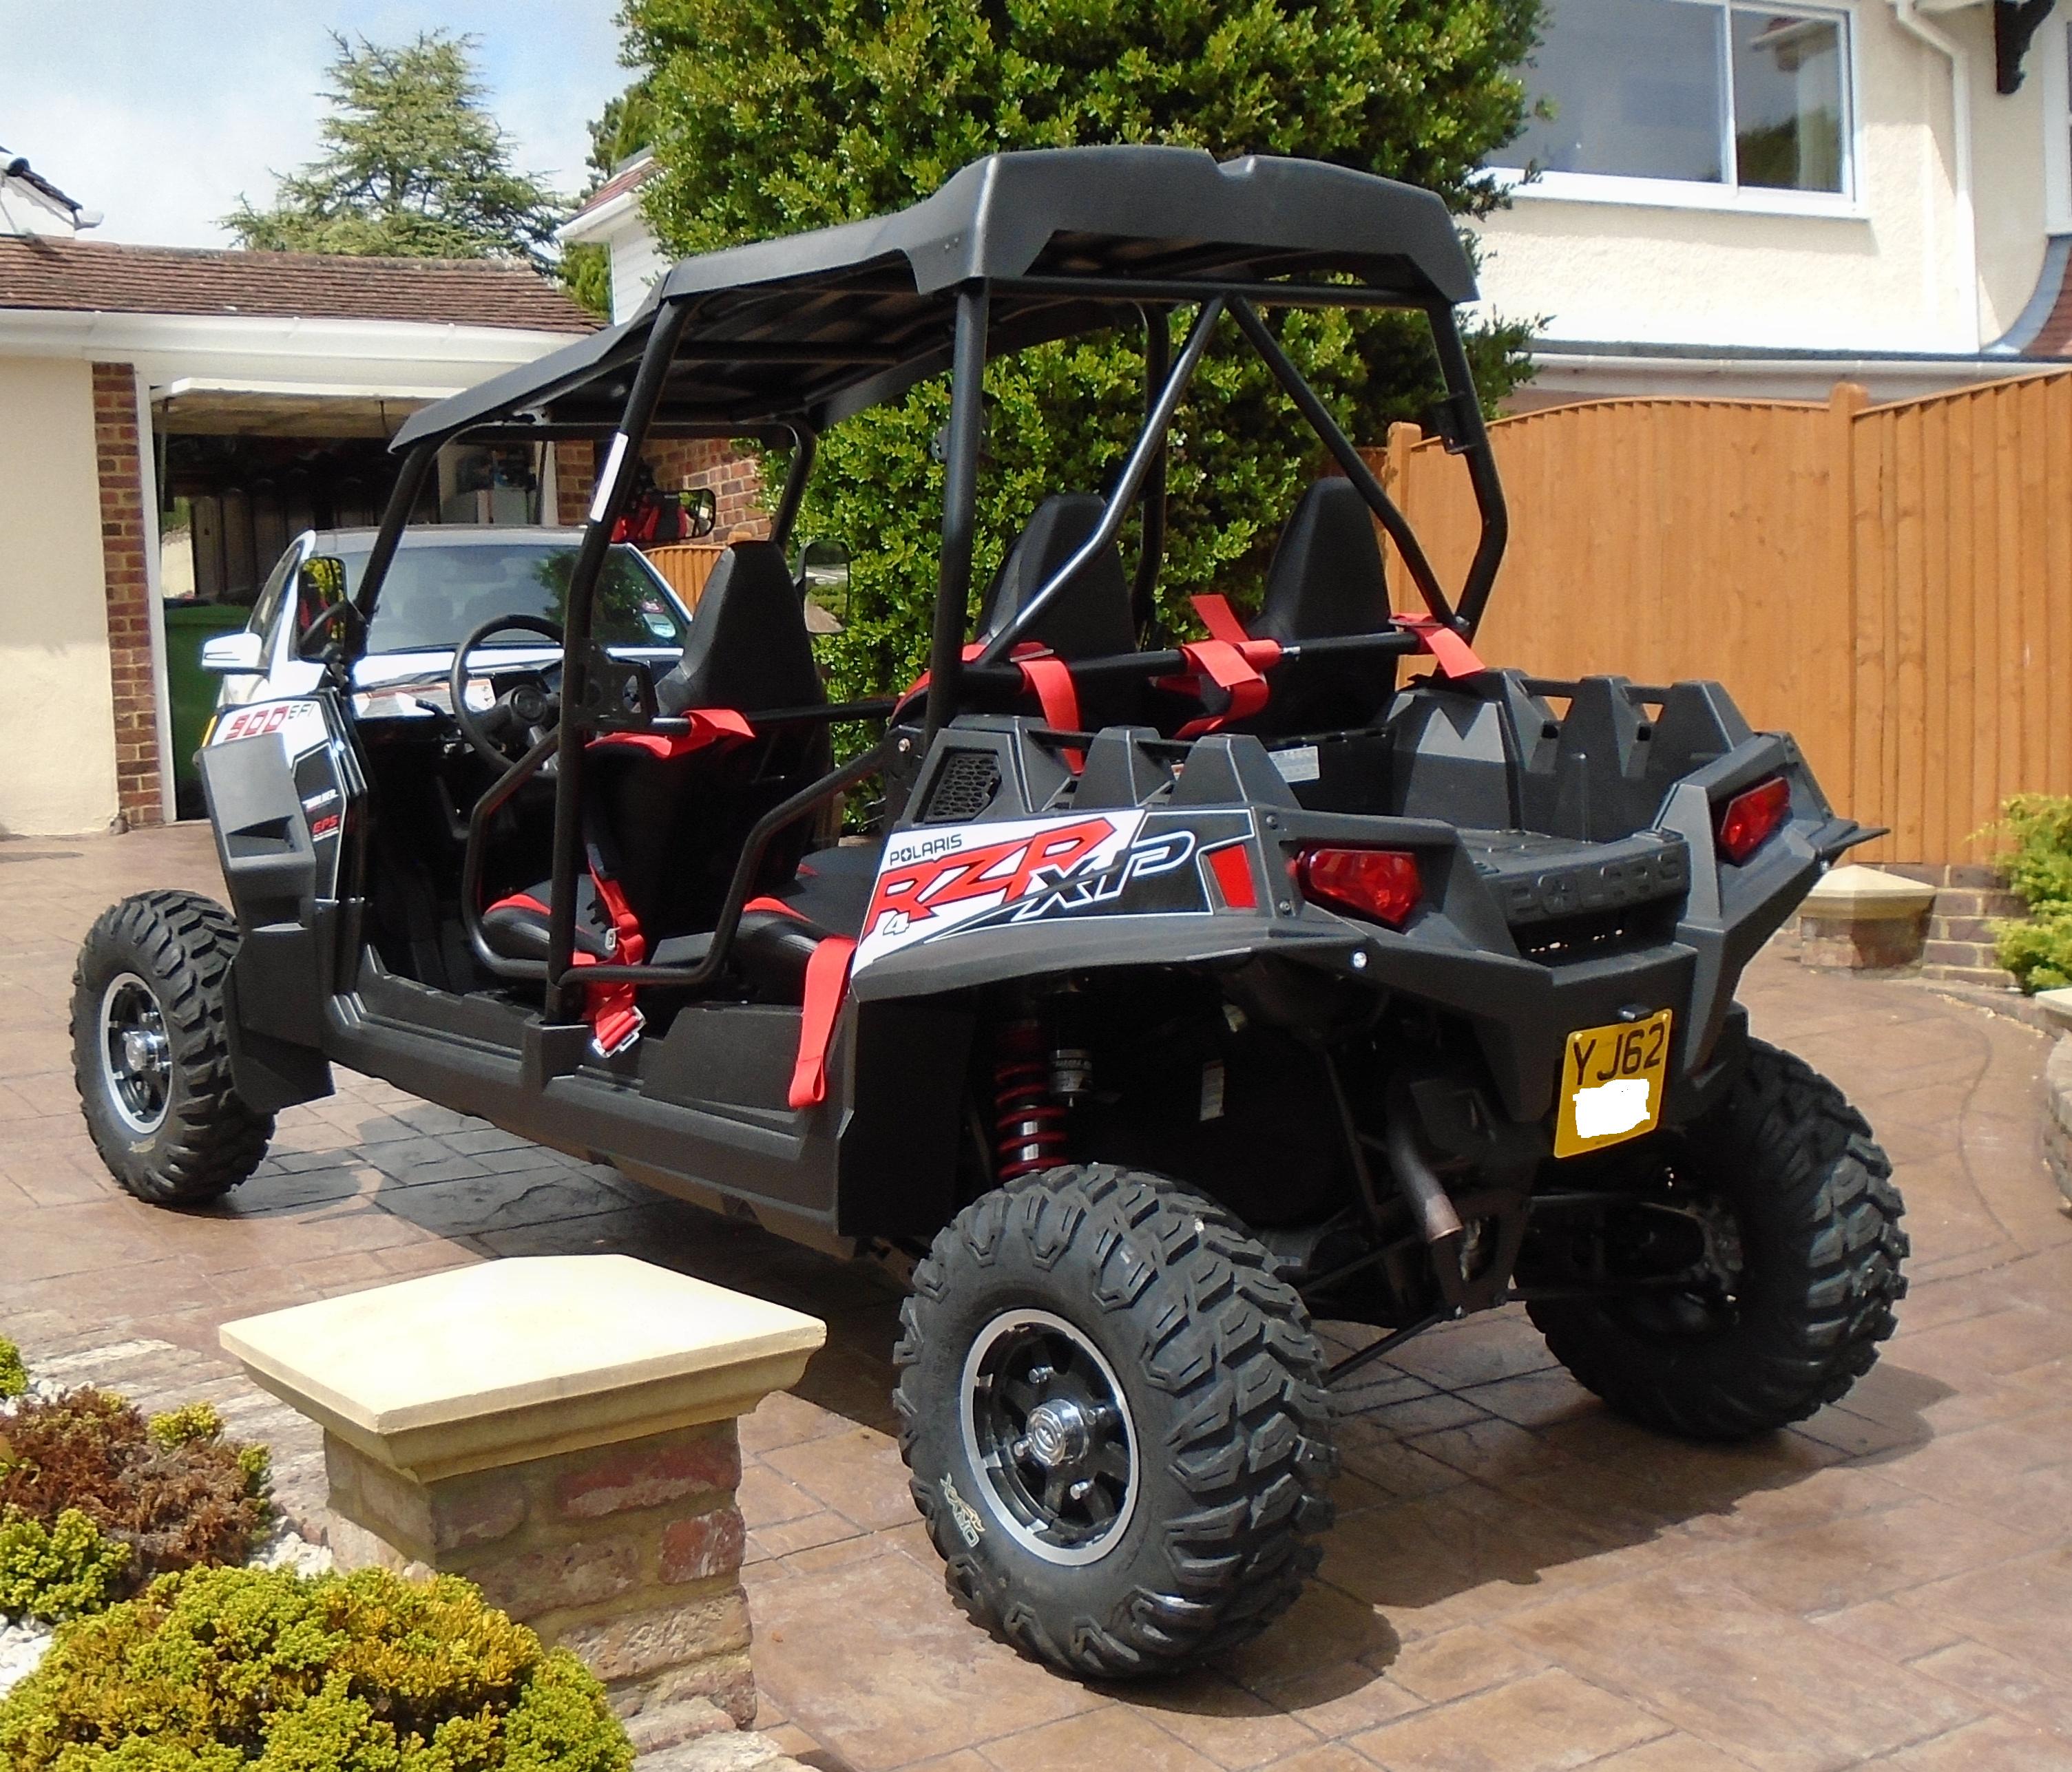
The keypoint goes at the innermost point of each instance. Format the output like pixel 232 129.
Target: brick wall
pixel 679 465
pixel 128 589
pixel 1968 900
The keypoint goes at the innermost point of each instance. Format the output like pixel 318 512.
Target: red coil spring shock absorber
pixel 1029 1126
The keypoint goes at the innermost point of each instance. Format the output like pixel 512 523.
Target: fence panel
pixel 1892 584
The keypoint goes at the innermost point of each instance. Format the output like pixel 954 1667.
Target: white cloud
pixel 161 114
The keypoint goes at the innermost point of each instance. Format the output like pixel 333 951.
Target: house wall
pixel 57 713
pixel 1885 277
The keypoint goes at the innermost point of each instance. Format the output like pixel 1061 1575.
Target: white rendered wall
pixel 1884 277
pixel 57 716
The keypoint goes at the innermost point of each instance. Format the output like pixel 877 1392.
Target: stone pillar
pixel 1859 919
pixel 560 1429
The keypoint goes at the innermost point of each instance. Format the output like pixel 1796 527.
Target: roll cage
pixel 774 342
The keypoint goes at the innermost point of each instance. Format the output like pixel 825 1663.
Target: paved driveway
pixel 1517 1580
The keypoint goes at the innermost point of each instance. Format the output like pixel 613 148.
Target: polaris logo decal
pixel 931 884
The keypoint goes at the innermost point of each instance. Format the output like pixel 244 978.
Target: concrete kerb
pixel 561 1430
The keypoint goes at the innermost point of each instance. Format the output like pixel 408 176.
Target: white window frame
pixel 2050 57
pixel 1729 196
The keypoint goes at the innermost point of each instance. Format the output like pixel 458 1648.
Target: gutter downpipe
pixel 1908 12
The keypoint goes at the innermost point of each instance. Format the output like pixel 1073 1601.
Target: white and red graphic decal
pixel 932 882
pixel 300 725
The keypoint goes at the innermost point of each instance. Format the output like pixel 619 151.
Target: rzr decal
pixel 935 881
pixel 1084 890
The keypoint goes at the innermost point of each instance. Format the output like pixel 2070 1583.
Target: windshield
pixel 434 595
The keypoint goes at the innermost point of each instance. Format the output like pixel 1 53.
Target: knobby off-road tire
pixel 1129 1287
pixel 166 1119
pixel 1817 1218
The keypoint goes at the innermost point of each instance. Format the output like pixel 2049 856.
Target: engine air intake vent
pixel 965 784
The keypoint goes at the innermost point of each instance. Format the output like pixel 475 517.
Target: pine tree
pixel 771 116
pixel 415 166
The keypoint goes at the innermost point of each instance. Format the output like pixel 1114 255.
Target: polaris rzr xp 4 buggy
pixel 1176 995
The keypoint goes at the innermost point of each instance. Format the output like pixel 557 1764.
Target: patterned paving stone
pixel 1518 1579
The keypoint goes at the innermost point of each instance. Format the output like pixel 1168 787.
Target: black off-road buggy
pixel 1178 996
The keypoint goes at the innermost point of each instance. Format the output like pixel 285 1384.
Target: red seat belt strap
pixel 1456 657
pixel 707 726
pixel 1230 658
pixel 1220 619
pixel 611 1010
pixel 827 978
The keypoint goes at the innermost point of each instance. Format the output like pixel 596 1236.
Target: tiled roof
pixel 636 173
pixel 102 276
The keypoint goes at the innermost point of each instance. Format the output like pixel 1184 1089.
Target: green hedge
pixel 214 1670
pixel 2038 952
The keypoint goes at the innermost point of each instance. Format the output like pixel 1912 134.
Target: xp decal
pixel 932 882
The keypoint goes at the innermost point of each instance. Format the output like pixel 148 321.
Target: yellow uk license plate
pixel 1611 1083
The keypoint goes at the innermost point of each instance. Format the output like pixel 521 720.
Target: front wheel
pixel 150 1052
pixel 1113 1414
pixel 1790 1209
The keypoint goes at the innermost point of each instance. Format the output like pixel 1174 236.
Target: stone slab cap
pixel 2057 1005
pixel 507 1361
pixel 1858 894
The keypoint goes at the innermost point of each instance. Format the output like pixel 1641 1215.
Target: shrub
pixel 2039 952
pixel 218 1668
pixel 175 1495
pixel 14 1375
pixel 58 1571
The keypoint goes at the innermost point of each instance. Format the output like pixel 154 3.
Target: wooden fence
pixel 1892 585
pixel 686 565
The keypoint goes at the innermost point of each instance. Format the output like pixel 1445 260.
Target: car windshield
pixel 434 595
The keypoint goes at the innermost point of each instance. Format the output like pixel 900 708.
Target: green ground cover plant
pixel 94 1499
pixel 14 1375
pixel 2038 950
pixel 218 1670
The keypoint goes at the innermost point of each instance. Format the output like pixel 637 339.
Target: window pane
pixel 1636 87
pixel 434 595
pixel 1788 101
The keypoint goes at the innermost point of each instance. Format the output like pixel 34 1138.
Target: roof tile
pixel 102 276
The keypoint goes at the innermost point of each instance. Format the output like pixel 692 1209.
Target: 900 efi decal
pixel 963 878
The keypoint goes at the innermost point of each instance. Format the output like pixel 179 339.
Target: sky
pixel 161 113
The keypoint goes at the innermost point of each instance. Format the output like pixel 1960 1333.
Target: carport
pixel 175 417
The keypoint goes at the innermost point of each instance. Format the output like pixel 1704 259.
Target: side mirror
pixel 241 653
pixel 822 576
pixel 320 590
pixel 700 511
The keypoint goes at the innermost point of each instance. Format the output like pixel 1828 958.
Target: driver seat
pixel 663 832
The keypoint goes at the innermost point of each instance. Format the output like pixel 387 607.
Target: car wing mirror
pixel 323 612
pixel 241 654
pixel 822 576
pixel 700 511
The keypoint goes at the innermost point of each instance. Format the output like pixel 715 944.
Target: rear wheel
pixel 1789 1228
pixel 1114 1415
pixel 151 1053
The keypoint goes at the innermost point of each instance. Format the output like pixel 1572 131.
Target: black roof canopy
pixel 810 327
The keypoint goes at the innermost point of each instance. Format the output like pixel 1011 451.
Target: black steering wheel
pixel 527 707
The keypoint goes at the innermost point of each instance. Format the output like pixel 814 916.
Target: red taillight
pixel 1751 819
pixel 1381 883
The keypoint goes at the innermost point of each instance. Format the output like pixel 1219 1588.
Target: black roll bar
pixel 615 479
pixel 1151 549
pixel 805 446
pixel 960 506
pixel 1473 445
pixel 1150 443
pixel 1348 457
pixel 395 518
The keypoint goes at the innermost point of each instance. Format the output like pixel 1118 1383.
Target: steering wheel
pixel 525 711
